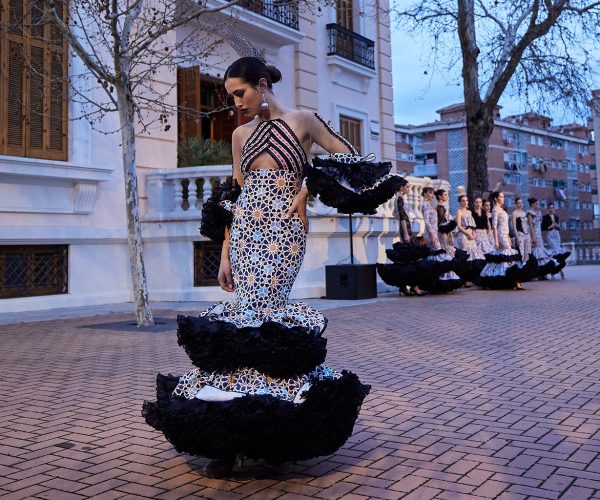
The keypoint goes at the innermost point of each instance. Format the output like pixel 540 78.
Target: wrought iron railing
pixel 27 271
pixel 281 11
pixel 351 46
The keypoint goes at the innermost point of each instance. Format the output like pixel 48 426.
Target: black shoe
pixel 219 467
pixel 282 468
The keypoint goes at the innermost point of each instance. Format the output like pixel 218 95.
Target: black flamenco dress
pixel 259 387
pixel 407 256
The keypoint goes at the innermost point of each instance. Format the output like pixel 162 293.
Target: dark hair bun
pixel 274 73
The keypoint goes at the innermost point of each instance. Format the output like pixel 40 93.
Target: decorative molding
pixel 85 197
pixel 349 74
pixel 32 185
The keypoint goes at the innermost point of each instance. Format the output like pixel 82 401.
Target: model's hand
pixel 299 205
pixel 471 237
pixel 225 278
pixel 497 245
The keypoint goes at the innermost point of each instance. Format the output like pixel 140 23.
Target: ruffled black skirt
pixel 272 348
pixel 260 426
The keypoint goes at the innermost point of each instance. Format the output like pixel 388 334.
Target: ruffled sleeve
pixel 217 211
pixel 351 183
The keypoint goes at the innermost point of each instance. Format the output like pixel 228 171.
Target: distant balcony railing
pixel 281 11
pixel 351 46
pixel 426 170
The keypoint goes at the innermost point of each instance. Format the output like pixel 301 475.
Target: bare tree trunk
pixel 480 124
pixel 134 228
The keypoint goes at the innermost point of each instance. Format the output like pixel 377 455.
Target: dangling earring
pixel 264 107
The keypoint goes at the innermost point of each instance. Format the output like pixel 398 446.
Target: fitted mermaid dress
pixel 504 268
pixel 547 264
pixel 260 388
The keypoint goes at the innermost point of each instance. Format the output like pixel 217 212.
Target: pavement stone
pixel 475 394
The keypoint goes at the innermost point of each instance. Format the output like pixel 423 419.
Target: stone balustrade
pixel 583 253
pixel 178 194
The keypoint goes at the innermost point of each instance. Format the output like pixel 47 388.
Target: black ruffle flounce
pixel 407 252
pixel 437 285
pixel 359 176
pixel 215 218
pixel 467 270
pixel 347 201
pixel 447 227
pixel 272 348
pixel 494 258
pixel 259 427
pixel 550 267
pixel 400 274
pixel 529 271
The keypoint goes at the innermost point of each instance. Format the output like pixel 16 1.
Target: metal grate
pixel 351 46
pixel 29 271
pixel 207 259
pixel 284 12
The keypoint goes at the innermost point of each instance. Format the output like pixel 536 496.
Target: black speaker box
pixel 351 281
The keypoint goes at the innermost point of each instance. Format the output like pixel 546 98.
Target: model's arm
pixel 225 276
pixel 531 227
pixel 495 228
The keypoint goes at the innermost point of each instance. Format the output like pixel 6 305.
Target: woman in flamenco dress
pixel 445 222
pixel 482 227
pixel 547 264
pixel 260 389
pixel 470 258
pixel 503 269
pixel 551 233
pixel 439 276
pixel 407 255
pixel 523 230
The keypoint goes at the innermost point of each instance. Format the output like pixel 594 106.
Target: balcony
pixel 427 170
pixel 351 46
pixel 282 12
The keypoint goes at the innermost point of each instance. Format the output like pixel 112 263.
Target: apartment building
pixel 63 237
pixel 528 157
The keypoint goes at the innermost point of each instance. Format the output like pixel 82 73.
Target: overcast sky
pixel 417 96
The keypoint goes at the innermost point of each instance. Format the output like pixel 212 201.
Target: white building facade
pixel 63 239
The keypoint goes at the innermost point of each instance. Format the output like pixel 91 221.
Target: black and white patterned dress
pixel 259 388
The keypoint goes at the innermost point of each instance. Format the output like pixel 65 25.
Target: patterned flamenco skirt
pixel 259 388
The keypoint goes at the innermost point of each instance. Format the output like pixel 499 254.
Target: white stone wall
pixel 81 202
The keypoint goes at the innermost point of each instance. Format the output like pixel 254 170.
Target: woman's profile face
pixel 429 195
pixel 405 189
pixel 488 206
pixel 519 204
pixel 501 199
pixel 535 205
pixel 464 202
pixel 444 196
pixel 246 97
pixel 477 204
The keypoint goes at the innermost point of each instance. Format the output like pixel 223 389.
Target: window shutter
pixel 33 87
pixel 188 100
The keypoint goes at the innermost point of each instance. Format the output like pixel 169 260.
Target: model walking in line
pixel 440 277
pixel 471 258
pixel 445 222
pixel 523 230
pixel 546 263
pixel 551 236
pixel 502 268
pixel 482 227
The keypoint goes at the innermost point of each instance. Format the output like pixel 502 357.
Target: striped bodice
pixel 277 139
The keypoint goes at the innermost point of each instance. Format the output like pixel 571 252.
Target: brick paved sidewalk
pixel 477 394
